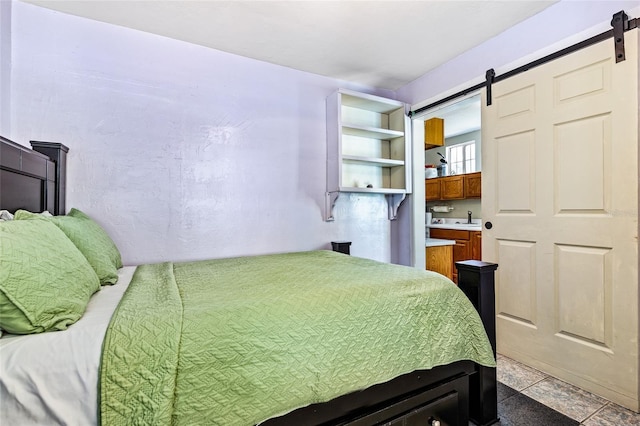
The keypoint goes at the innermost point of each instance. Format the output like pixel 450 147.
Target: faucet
pixel 469 217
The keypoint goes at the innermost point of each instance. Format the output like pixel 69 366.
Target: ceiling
pixel 384 44
pixel 462 116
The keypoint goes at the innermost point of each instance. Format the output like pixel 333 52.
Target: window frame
pixel 465 160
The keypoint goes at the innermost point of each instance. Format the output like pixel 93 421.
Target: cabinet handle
pixel 433 422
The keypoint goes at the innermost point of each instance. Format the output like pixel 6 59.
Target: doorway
pixel 450 158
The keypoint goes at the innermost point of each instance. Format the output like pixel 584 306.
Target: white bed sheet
pixel 52 378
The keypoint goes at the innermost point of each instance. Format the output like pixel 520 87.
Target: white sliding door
pixel 560 187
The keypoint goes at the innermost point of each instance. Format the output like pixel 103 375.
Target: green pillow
pixel 45 282
pixel 91 240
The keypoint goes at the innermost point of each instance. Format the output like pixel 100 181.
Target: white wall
pixel 5 64
pixel 179 151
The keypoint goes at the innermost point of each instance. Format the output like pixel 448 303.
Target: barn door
pixel 560 188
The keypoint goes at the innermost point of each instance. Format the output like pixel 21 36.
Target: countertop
pixel 436 242
pixel 459 224
pixel 460 227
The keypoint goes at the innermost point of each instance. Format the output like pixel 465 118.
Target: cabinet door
pixel 475 238
pixel 432 189
pixel 473 185
pixel 461 251
pixel 433 133
pixel 439 259
pixel 452 187
pixel 449 234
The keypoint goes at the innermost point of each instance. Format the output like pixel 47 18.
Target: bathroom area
pixel 453 188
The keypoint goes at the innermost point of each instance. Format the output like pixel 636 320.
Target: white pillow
pixel 6 215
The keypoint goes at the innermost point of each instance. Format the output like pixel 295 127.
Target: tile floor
pixel 529 397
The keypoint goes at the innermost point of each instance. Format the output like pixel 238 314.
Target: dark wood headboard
pixel 33 180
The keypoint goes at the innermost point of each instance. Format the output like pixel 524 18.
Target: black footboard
pixel 476 279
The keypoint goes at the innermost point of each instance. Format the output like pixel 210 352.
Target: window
pixel 462 158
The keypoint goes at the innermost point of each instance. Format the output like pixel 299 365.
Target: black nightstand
pixel 341 246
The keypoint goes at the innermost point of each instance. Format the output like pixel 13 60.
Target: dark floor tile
pixel 505 392
pixel 520 410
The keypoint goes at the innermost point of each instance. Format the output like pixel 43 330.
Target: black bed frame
pixel 33 180
pixel 452 394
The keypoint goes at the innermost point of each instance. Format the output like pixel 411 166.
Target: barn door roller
pixel 490 76
pixel 619 24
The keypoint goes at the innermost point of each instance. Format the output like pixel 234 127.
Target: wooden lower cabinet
pixel 475 239
pixel 468 245
pixel 440 259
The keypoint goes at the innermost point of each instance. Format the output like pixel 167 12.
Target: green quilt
pixel 236 341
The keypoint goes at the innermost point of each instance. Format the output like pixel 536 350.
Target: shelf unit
pixel 368 148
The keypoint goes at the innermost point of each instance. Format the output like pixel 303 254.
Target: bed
pixel 338 345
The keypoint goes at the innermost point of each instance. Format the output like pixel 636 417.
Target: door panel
pixel 581 180
pixel 591 267
pixel 516 290
pixel 560 186
pixel 516 174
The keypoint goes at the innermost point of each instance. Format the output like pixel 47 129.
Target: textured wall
pixel 179 151
pixel 5 66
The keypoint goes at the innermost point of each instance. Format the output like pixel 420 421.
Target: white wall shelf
pixel 368 148
pixel 371 190
pixel 382 162
pixel 370 132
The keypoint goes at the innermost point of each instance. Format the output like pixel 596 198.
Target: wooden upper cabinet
pixel 452 187
pixel 473 185
pixel 433 133
pixel 456 187
pixel 432 189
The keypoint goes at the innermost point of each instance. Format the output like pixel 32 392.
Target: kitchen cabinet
pixel 468 245
pixel 368 148
pixel 457 187
pixel 440 259
pixel 433 133
pixel 432 189
pixel 452 187
pixel 473 185
pixel 475 237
